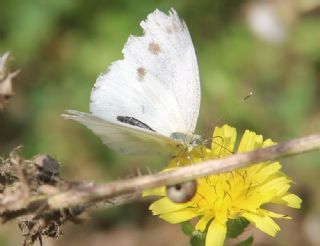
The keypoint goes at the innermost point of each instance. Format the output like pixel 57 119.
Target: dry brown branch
pixel 85 194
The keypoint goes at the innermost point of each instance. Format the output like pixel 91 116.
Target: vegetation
pixel 62 46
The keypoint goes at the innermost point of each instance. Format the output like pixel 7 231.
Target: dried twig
pixel 85 194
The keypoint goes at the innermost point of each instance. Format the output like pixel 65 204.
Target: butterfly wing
pixel 123 137
pixel 157 82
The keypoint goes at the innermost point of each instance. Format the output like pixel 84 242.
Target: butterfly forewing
pixel 125 138
pixel 157 82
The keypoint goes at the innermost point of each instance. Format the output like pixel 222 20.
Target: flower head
pixel 232 195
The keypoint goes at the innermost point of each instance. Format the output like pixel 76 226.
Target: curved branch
pixel 86 194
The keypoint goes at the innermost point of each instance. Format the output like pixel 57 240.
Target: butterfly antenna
pixel 206 141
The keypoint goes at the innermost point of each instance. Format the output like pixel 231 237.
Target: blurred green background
pixel 271 49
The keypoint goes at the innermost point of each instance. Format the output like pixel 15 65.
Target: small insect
pixel 148 102
pixel 250 94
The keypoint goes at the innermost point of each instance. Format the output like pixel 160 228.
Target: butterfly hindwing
pixel 123 137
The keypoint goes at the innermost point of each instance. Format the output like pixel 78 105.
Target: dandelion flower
pixel 232 195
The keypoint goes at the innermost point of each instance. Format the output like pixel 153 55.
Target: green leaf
pixel 246 242
pixel 197 239
pixel 187 228
pixel 236 226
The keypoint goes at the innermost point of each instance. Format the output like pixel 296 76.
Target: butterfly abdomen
pixel 134 122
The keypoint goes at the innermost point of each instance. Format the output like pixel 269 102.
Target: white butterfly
pixel 149 101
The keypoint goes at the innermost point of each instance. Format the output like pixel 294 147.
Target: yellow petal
pixel 264 223
pixel 223 141
pixel 290 200
pixel 216 232
pixel 250 141
pixel 179 216
pixel 202 223
pixel 277 185
pixel 257 199
pixel 159 191
pixel 268 142
pixel 266 171
pixel 275 215
pixel 164 205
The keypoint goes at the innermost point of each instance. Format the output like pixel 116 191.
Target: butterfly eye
pixel 180 193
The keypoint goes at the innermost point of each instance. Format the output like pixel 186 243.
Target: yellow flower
pixel 237 194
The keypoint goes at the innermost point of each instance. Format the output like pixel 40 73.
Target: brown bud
pixel 183 192
pixel 6 77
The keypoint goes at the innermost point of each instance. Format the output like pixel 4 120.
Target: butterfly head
pixel 188 140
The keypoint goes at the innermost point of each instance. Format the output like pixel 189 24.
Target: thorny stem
pixel 88 194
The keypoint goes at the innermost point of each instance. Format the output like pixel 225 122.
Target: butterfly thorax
pixel 188 140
